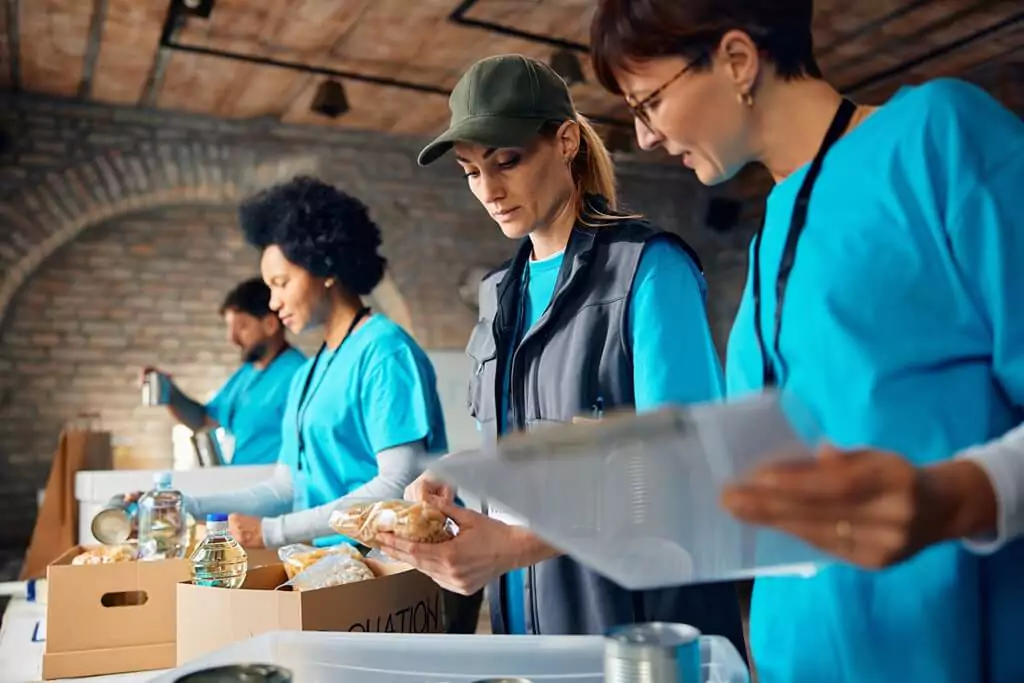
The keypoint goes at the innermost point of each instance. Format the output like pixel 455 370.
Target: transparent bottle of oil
pixel 219 560
pixel 163 530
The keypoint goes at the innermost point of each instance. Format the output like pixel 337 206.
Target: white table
pixel 21 648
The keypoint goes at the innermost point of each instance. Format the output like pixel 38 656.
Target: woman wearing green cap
pixel 599 310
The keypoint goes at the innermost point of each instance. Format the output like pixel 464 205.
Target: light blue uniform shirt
pixel 903 329
pixel 250 406
pixel 674 357
pixel 376 391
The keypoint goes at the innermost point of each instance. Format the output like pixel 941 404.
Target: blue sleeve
pixel 218 407
pixel 986 233
pixel 395 400
pixel 674 356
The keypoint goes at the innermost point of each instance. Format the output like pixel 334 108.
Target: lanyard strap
pixel 797 222
pixel 303 405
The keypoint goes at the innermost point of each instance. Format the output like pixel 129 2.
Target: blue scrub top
pixel 903 329
pixel 251 404
pixel 674 357
pixel 376 391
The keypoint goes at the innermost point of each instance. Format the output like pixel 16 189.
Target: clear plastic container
pixel 400 658
pixel 636 497
pixel 219 560
pixel 163 528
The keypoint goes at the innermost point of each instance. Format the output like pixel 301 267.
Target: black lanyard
pixel 797 222
pixel 303 405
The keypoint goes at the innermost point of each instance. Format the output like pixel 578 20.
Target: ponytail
pixel 593 169
pixel 593 173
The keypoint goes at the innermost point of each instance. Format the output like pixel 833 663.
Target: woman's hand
pixel 429 489
pixel 483 550
pixel 871 507
pixel 248 531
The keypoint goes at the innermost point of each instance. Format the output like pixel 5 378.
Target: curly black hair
pixel 319 228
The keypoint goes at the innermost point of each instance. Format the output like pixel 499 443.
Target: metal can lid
pixel 640 640
pixel 503 680
pixel 239 673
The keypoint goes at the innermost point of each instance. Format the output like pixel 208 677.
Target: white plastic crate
pixel 397 658
pixel 94 489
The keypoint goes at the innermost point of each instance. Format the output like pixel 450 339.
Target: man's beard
pixel 254 352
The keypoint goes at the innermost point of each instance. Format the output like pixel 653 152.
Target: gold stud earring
pixel 745 98
pixel 329 283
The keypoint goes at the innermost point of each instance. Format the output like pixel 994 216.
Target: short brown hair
pixel 625 30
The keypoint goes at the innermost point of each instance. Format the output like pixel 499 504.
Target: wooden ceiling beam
pixel 458 16
pixel 13 11
pixel 172 23
pixel 92 49
pixel 941 51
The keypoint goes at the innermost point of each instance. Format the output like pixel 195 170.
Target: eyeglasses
pixel 639 107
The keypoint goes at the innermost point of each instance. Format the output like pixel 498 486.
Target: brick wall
pixel 117 241
pixel 139 289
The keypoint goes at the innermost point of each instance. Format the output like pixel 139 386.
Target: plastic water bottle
pixel 219 560
pixel 163 531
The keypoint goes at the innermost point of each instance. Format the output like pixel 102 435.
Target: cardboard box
pixel 110 618
pixel 399 600
pixel 57 522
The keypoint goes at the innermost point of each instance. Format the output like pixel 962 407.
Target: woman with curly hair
pixel 363 410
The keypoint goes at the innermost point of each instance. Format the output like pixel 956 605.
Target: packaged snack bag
pixel 419 522
pixel 334 569
pixel 107 554
pixel 298 557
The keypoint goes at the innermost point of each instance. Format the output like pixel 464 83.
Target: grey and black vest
pixel 575 359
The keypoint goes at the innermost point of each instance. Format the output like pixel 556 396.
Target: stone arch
pixel 49 212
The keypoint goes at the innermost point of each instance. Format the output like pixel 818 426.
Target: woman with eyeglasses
pixel 898 321
pixel 599 310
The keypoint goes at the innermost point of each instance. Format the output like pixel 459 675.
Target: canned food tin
pixel 151 389
pixel 652 653
pixel 115 522
pixel 239 673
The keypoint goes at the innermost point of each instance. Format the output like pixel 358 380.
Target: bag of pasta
pixel 298 557
pixel 418 522
pixel 334 569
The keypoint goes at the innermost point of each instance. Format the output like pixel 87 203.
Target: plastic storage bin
pixel 636 497
pixel 93 489
pixel 394 658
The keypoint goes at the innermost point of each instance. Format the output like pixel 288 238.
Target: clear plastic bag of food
pixel 107 554
pixel 298 557
pixel 335 569
pixel 417 521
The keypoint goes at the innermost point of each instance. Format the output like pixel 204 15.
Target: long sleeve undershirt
pixel 1003 462
pixel 273 499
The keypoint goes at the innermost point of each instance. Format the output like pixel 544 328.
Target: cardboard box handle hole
pixel 124 599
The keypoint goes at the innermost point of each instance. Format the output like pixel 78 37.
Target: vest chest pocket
pixel 482 350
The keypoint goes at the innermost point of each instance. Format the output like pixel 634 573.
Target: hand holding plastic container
pixel 163 528
pixel 219 561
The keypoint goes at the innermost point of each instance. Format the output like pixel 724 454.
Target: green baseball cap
pixel 502 101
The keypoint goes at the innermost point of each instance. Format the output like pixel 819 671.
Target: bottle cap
pixel 218 517
pixel 162 478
